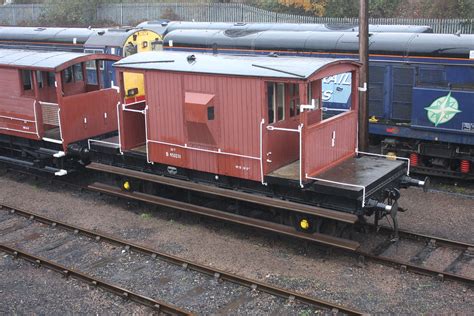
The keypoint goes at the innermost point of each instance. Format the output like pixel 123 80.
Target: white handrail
pixel 273 128
pixel 17 130
pixel 342 183
pixel 90 140
pixel 118 128
pixel 17 119
pixel 146 135
pixel 124 105
pixel 135 111
pixel 300 129
pixel 48 103
pixel 262 122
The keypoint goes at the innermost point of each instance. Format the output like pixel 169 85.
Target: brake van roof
pixel 45 60
pixel 252 66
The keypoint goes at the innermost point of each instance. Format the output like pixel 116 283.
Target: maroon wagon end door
pixel 87 115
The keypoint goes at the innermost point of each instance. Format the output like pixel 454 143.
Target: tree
pixel 342 8
pixel 69 12
pixel 383 8
pixel 446 9
pixel 315 7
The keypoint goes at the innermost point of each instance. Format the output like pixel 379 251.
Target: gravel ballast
pixel 372 288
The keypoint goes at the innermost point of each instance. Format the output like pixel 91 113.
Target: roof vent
pixel 101 32
pixel 191 59
pixel 273 54
pixel 39 29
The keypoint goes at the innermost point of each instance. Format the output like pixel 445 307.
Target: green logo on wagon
pixel 443 110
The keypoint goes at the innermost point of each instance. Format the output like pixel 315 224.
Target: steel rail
pixel 186 264
pixel 438 240
pixel 68 272
pixel 406 266
pixel 229 217
pixel 232 194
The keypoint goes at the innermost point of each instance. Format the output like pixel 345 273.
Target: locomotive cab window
pixel 157 45
pixel 130 49
pixel 90 65
pixel 276 102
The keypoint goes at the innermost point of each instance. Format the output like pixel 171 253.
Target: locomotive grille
pixel 432 77
pixel 376 90
pixel 402 91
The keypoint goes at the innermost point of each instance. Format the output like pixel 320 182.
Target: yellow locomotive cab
pixel 140 41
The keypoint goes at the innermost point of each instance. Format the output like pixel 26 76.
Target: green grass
pixel 146 215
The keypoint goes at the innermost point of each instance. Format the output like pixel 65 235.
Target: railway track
pixel 138 273
pixel 68 272
pixel 419 253
pixel 382 248
pixel 428 255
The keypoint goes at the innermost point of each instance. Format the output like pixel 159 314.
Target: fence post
pixel 14 14
pixel 121 13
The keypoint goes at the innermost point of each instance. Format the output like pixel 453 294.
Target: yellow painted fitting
pixel 304 224
pixel 373 119
pixel 392 155
pixel 126 186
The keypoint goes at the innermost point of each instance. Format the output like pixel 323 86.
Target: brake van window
pixel 78 72
pixel 26 79
pixel 294 90
pixel 276 102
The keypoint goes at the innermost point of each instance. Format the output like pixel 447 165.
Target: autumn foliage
pixel 378 8
pixel 317 7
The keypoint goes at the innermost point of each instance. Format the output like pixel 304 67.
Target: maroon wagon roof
pixel 44 60
pixel 255 66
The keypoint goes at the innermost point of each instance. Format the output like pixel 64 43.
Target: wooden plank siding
pixel 319 151
pixel 87 115
pixel 235 128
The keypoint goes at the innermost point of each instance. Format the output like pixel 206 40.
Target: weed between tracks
pixel 146 215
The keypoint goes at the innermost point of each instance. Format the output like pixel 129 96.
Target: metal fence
pixel 132 13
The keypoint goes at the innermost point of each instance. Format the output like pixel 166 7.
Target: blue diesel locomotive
pixel 421 86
